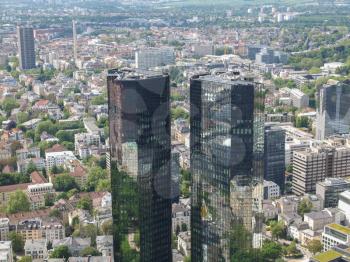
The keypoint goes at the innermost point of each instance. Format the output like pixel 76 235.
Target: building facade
pixel 333 115
pixel 330 189
pixel 331 158
pixel 227 143
pixel 26 47
pixel 139 113
pixel 275 165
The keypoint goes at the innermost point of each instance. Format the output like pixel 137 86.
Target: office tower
pixel 152 57
pixel 26 47
pixel 140 156
pixel 227 143
pixel 330 189
pixel 75 51
pixel 333 114
pixel 331 158
pixel 275 165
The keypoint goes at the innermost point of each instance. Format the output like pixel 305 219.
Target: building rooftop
pixel 340 228
pixel 126 74
pixel 328 256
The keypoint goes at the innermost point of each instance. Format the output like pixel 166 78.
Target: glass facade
pixel 275 163
pixel 333 114
pixel 227 156
pixel 140 152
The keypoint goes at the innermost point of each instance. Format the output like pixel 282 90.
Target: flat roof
pixel 340 228
pixel 327 256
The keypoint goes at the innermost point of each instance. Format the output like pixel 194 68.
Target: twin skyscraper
pixel 227 156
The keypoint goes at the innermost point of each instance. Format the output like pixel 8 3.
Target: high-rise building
pixel 330 158
pixel 227 143
pixel 333 109
pixel 275 164
pixel 152 57
pixel 26 47
pixel 140 156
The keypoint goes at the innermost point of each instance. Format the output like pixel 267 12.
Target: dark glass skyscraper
pixel 227 143
pixel 140 151
pixel 275 161
pixel 26 47
pixel 333 109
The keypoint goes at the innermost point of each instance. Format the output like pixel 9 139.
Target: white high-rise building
pixel 153 57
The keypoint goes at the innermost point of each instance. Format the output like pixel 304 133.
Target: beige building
pixel 330 158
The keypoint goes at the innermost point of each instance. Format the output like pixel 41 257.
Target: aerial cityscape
pixel 174 131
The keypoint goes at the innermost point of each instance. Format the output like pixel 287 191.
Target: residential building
pixel 36 249
pixel 74 244
pixel 4 229
pixel 299 99
pixel 317 220
pixel 153 57
pixel 271 190
pixel 227 134
pixel 22 165
pixel 26 47
pixel 333 115
pixel 184 243
pixel 274 164
pixel 25 153
pixel 104 245
pixel 85 143
pixel 330 189
pixel 6 254
pixel 181 217
pixel 335 234
pixel 330 158
pixel 139 113
pixel 58 158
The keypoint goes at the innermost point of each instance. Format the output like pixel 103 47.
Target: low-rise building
pixel 74 244
pixel 104 245
pixel 4 228
pixel 317 220
pixel 6 254
pixel 184 243
pixel 181 217
pixel 335 234
pixel 36 249
pixel 330 189
pixel 271 190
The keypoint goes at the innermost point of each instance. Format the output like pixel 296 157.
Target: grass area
pixel 340 228
pixel 328 256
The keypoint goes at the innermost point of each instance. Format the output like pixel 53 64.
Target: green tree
pixel 315 246
pixel 104 185
pixel 271 251
pixel 31 168
pixel 304 206
pixel 25 259
pixel 96 174
pixel 292 249
pixel 18 202
pixel 187 259
pixel 107 227
pixel 90 231
pixel 9 104
pixel 49 199
pixel 64 182
pixel 61 252
pixel 278 230
pixel 85 203
pixel 184 227
pixel 17 242
pixel 302 122
pixel 89 251
pixel 98 100
pixel 22 117
pixel 178 112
